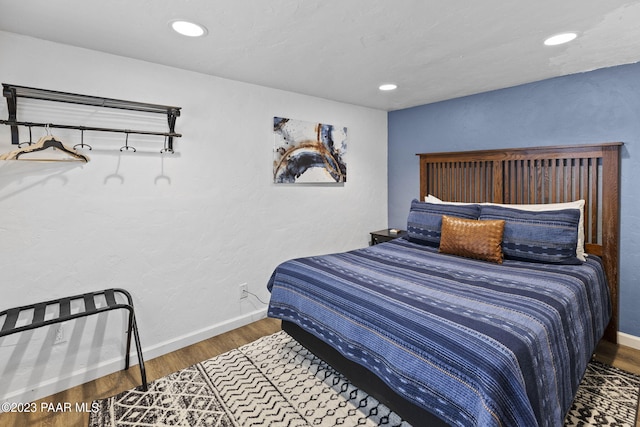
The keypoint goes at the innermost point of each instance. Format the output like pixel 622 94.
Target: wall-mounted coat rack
pixel 13 92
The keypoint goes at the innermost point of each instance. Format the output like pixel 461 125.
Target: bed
pixel 496 329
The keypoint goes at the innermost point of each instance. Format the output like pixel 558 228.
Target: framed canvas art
pixel 308 152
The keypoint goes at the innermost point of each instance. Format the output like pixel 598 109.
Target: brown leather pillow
pixel 472 238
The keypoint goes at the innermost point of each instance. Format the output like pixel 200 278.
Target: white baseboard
pixel 89 373
pixel 81 376
pixel 629 340
pixel 201 334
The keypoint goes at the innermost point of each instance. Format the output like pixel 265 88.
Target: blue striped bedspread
pixel 474 343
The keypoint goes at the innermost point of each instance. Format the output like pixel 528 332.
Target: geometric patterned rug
pixel 607 397
pixel 275 381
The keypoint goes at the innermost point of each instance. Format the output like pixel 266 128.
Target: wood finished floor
pixel 619 356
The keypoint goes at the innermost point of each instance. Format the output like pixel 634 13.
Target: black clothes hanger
pixel 46 142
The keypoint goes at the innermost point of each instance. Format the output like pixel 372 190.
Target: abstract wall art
pixel 308 152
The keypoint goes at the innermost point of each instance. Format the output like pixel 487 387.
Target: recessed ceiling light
pixel 388 86
pixel 560 39
pixel 188 29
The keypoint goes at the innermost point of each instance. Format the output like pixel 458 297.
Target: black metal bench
pixel 92 305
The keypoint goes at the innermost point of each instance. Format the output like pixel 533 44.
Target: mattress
pixel 474 343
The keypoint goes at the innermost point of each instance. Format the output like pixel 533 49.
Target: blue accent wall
pixel 593 107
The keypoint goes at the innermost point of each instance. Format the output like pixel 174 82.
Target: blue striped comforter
pixel 473 342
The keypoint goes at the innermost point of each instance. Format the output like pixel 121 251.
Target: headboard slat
pixel 540 175
pixel 593 200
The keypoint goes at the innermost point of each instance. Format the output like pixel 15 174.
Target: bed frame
pixel 541 175
pixel 521 175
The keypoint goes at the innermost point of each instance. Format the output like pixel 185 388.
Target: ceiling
pixel 344 49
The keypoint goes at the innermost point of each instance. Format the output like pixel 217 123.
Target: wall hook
pixel 82 144
pixel 126 146
pixel 30 139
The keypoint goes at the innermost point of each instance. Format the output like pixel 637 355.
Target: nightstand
pixel 385 235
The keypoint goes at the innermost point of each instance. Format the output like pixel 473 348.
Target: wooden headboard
pixel 540 175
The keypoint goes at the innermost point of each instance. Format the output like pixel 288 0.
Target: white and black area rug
pixel 274 381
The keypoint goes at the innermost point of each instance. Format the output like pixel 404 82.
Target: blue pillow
pixel 425 220
pixel 539 236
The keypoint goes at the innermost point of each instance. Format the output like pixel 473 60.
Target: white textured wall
pixel 181 231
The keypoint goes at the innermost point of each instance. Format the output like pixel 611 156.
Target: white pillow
pixel 578 204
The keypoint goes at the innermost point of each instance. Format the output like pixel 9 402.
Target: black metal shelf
pixel 90 128
pixel 13 92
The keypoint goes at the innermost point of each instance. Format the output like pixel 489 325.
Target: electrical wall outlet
pixel 60 336
pixel 244 291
